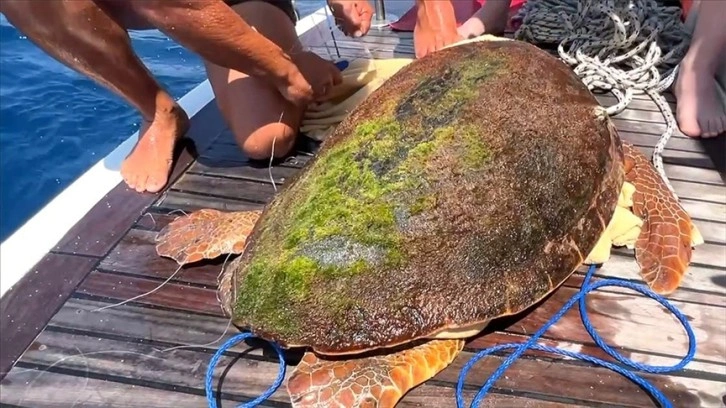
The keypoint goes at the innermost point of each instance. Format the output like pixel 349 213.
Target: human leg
pixel 84 37
pixel 261 120
pixel 700 109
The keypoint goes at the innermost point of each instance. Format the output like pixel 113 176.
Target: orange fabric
pixel 462 9
pixel 686 6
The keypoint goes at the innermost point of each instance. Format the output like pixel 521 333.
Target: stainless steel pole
pixel 380 9
pixel 380 18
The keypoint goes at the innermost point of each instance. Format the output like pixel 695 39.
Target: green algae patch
pixel 354 192
pixel 475 153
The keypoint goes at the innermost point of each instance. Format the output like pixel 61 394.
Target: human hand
pixel 293 86
pixel 321 74
pixel 435 27
pixel 352 17
pixel 307 78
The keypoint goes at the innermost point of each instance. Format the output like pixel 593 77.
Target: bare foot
pixel 699 111
pixel 147 167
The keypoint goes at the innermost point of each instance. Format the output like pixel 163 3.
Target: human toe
pixel 142 183
pixel 710 127
pixel 154 184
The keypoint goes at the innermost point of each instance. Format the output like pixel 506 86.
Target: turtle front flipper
pixel 377 381
pixel 205 234
pixel 663 248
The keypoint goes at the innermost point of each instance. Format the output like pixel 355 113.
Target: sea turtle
pixel 469 186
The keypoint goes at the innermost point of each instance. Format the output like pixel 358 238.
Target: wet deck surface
pixel 118 357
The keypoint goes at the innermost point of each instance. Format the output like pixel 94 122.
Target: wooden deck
pixel 116 357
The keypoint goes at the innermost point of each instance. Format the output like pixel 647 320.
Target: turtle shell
pixel 468 186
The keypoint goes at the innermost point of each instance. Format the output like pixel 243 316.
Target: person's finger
pixel 365 21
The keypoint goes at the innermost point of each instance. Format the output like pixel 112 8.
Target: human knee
pixel 273 139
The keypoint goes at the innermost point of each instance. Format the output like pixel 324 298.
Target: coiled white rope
pixel 627 47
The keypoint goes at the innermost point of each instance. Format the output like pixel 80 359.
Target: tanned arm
pixel 214 31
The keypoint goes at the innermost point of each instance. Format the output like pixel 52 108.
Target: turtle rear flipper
pixel 205 234
pixel 664 247
pixel 376 381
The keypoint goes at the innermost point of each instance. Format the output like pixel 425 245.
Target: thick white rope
pixel 626 47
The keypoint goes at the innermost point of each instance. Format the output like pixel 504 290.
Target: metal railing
pixel 380 18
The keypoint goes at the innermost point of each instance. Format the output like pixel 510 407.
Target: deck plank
pixel 184 368
pixel 617 314
pixel 232 188
pixel 699 278
pixel 180 296
pixel 245 171
pixel 192 328
pixel 167 329
pixel 136 255
pixel 188 202
pixel 102 393
pixel 542 379
pixel 40 389
pixel 704 210
pixel 26 308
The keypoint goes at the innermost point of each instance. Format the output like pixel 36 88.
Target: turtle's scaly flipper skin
pixel 369 382
pixel 663 249
pixel 205 234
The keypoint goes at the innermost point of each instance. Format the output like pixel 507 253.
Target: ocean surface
pixel 55 123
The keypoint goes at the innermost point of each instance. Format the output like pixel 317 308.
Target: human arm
pixel 214 31
pixel 491 18
pixel 435 26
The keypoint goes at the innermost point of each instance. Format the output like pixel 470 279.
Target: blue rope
pixel 519 348
pixel 212 402
pixel 587 287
